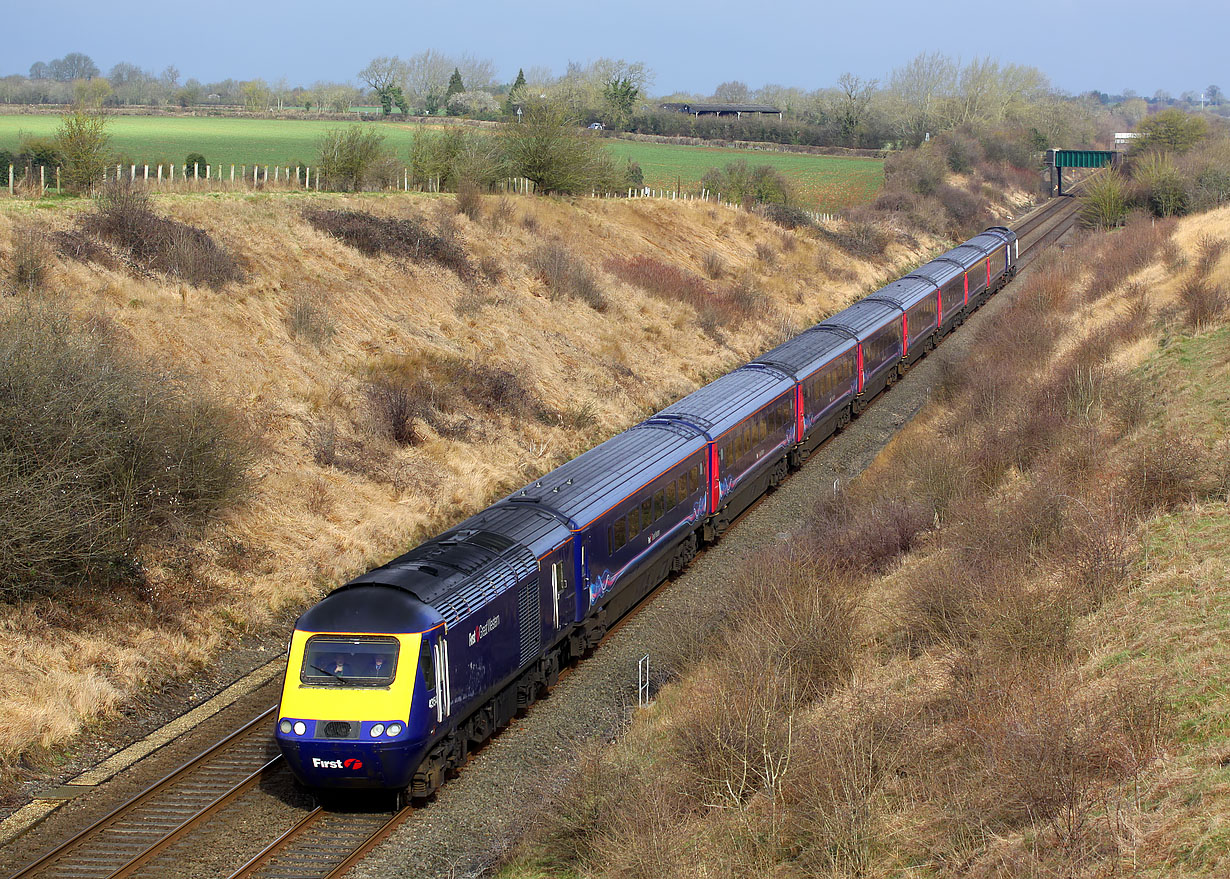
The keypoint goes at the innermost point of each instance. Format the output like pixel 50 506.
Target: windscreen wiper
pixel 330 673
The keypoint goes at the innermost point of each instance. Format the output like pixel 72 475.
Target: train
pixel 395 677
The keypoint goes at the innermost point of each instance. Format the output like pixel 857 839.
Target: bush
pixel 713 265
pixel 394 408
pixel 308 318
pixel 748 185
pixel 405 239
pixel 1160 186
pixel 449 159
pixel 102 456
pixel 920 171
pixel 565 276
pixel 82 142
pixel 352 159
pixel 469 202
pixel 788 217
pixel 862 238
pixel 31 259
pixel 124 217
pixel 548 148
pixel 1105 203
pixel 195 161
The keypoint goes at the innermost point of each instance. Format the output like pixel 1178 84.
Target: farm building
pixel 722 109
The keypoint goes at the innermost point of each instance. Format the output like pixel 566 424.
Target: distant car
pixel 596 126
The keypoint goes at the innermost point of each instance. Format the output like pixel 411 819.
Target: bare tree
pixel 478 73
pixel 732 92
pixel 425 79
pixel 921 89
pixel 852 103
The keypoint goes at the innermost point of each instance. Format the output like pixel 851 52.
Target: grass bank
pixel 399 360
pixel 1001 652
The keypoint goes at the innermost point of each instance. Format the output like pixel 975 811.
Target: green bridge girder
pixel 1082 158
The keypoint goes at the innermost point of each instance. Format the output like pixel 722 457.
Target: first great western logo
pixel 352 763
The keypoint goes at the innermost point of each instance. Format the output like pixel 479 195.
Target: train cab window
pixel 659 504
pixel 621 534
pixel 670 496
pixel 427 665
pixel 634 522
pixel 646 513
pixel 331 661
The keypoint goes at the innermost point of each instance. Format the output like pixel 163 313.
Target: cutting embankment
pixel 1001 652
pixel 250 399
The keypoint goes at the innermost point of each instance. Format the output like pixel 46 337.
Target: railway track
pixel 127 839
pixel 324 843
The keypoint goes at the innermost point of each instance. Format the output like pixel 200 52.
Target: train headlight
pixel 378 729
pixel 284 726
pixel 394 729
pixel 300 727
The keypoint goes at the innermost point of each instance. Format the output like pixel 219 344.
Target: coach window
pixel 764 429
pixel 621 534
pixel 671 500
pixel 427 668
pixel 634 522
pixel 646 513
pixel 659 504
pixel 694 480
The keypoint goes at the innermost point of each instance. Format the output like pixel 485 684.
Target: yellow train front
pixel 359 700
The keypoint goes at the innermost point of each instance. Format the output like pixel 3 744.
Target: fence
pixel 304 177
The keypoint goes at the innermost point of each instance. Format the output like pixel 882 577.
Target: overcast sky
pixel 1108 45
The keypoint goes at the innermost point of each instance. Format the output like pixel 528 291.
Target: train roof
pixel 998 235
pixel 581 490
pixel 724 402
pixel 940 270
pixel 466 566
pixel 807 352
pixel 369 609
pixel 862 318
pixel 905 292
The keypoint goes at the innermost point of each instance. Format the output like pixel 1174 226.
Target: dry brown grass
pixel 293 346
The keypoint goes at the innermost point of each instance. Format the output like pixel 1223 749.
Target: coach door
pixel 559 588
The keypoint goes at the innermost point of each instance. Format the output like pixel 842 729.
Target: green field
pixel 827 183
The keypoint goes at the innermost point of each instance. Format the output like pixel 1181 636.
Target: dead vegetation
pixel 126 219
pixel 949 704
pixel 402 238
pixel 388 405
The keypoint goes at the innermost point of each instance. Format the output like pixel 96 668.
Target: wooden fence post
pixel 232 173
pixel 160 174
pixel 147 173
pixel 10 179
pixel 42 180
pixel 59 191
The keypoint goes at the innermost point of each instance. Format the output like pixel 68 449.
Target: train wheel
pixel 843 419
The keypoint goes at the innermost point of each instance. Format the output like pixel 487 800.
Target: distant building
pixel 737 110
pixel 1122 138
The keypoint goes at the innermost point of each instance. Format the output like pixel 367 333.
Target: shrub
pixel 747 185
pixel 124 217
pixel 920 171
pixel 862 238
pixel 195 161
pixel 82 143
pixel 31 259
pixel 351 159
pixel 788 217
pixel 713 264
pixel 548 147
pixel 565 276
pixel 1160 186
pixel 1203 301
pixel 394 408
pixel 469 202
pixel 308 318
pixel 402 238
pixel 1105 203
pixel 102 456
pixel 82 247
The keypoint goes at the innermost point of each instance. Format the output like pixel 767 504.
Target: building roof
pixel 720 108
